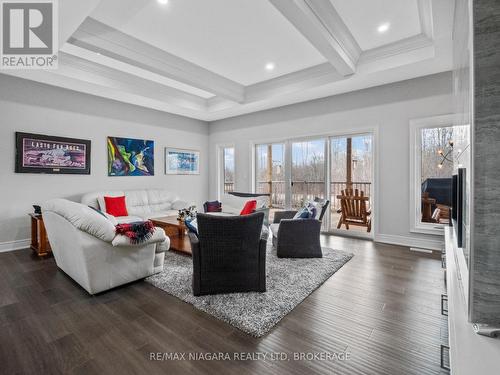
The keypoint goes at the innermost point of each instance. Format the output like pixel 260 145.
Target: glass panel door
pixel 228 169
pixel 351 171
pixel 270 174
pixel 308 171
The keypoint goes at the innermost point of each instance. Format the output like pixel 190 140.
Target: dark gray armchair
pixel 229 255
pixel 297 238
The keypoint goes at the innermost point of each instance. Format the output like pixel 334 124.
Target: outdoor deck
pixel 303 191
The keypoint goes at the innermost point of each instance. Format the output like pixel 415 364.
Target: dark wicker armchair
pixel 229 255
pixel 299 238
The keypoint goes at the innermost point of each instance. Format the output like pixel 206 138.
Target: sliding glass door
pixel 351 172
pixel 296 171
pixel 307 172
pixel 270 174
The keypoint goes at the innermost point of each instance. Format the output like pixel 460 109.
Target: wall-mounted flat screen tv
pixel 457 210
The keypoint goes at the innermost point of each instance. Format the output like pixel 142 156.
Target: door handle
pixel 443 365
pixel 444 298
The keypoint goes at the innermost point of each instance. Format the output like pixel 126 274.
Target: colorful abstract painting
pixel 130 157
pixel 182 161
pixel 37 153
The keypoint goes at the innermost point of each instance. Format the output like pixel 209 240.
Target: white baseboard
pixel 421 243
pixel 14 245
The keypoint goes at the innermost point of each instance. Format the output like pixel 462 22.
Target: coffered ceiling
pixel 212 59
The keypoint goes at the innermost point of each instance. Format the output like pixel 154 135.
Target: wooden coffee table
pixel 176 230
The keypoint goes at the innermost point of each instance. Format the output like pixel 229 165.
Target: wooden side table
pixel 39 240
pixel 177 232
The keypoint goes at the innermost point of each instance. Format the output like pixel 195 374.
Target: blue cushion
pixel 303 213
pixel 192 225
pixel 312 210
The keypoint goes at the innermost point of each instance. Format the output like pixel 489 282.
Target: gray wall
pixel 388 108
pixel 31 107
pixel 485 256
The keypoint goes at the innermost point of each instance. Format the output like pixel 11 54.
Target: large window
pixel 228 169
pixel 300 170
pixel 434 153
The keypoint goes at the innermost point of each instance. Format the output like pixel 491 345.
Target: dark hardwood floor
pixel 382 307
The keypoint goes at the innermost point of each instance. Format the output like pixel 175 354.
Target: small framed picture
pixel 179 161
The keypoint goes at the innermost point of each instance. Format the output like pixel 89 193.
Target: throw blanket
pixel 138 232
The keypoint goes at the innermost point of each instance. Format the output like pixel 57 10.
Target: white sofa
pixel 141 204
pixel 232 204
pixel 86 247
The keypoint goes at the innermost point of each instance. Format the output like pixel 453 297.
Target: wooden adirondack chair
pixel 353 209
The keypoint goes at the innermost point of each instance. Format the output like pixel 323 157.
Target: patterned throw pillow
pixel 192 224
pixel 316 206
pixel 312 208
pixel 303 213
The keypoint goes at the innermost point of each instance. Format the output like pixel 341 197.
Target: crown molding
pixel 400 47
pixel 85 70
pixel 131 69
pixel 102 61
pixel 68 77
pixel 305 79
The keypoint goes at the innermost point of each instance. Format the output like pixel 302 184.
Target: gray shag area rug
pixel 289 282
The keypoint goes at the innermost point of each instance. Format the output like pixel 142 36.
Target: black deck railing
pixel 308 190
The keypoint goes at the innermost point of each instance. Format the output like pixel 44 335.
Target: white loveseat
pixel 86 247
pixel 141 204
pixel 233 204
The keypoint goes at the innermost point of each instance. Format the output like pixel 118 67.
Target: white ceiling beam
pixel 82 75
pixel 301 80
pixel 297 81
pixel 100 38
pixel 53 78
pixel 319 22
pixel 85 54
pixel 72 13
pixel 426 18
pixel 88 71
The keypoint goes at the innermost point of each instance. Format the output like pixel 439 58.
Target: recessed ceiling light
pixel 270 66
pixel 383 27
pixel 163 2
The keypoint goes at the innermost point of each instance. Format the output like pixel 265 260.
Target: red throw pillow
pixel 249 208
pixel 116 206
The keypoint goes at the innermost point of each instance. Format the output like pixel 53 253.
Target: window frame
pixel 415 208
pixel 221 172
pixel 372 129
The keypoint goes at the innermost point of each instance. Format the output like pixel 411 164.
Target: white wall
pixel 31 107
pixel 387 108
